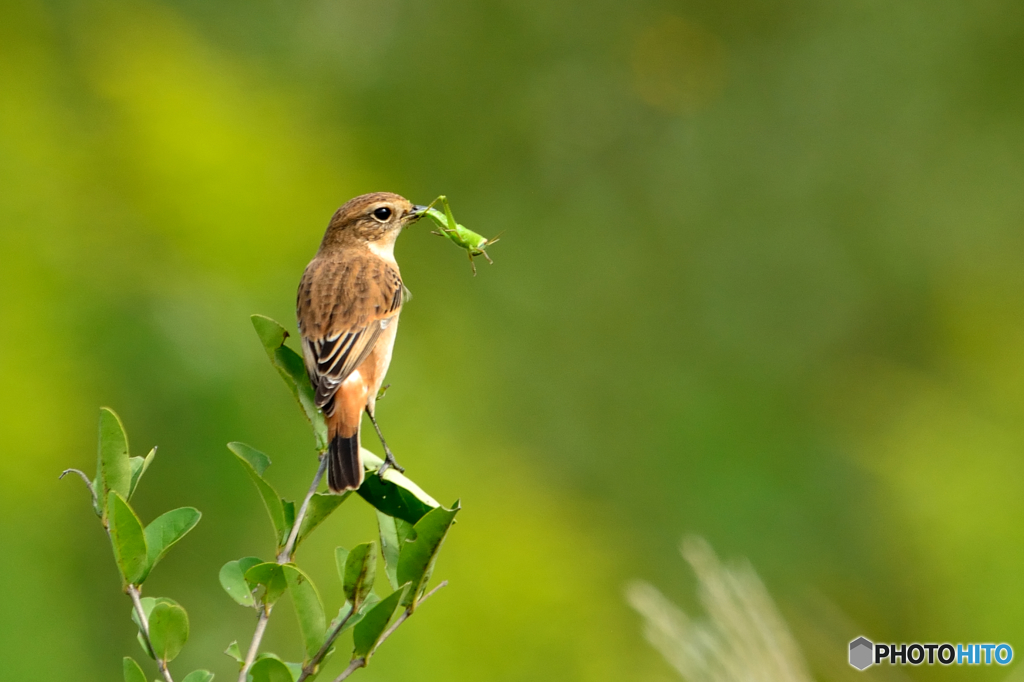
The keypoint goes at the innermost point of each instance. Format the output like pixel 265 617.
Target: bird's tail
pixel 344 463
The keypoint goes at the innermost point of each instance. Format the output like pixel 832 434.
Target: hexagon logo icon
pixel 861 650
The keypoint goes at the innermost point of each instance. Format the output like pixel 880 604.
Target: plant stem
pixel 307 670
pixel 133 592
pixel 88 483
pixel 283 557
pixel 360 662
pixel 289 546
pixel 257 637
pixel 355 665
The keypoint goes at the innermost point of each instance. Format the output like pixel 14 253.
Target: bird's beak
pixel 416 213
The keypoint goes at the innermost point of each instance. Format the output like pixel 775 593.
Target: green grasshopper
pixel 473 243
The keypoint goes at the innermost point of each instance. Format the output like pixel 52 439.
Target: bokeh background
pixel 761 279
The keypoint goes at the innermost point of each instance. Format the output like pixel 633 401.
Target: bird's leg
pixel 389 457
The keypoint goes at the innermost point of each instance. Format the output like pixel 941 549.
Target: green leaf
pixel 293 370
pixel 270 668
pixel 416 560
pixel 308 608
pixel 166 530
pixel 371 601
pixel 255 463
pixel 289 517
pixel 396 495
pixel 148 604
pixel 132 671
pixel 234 652
pixel 251 456
pixel 198 676
pixel 113 471
pixel 270 331
pixel 99 502
pixel 138 466
pixel 342 614
pixel 360 570
pixel 340 557
pixel 128 540
pixel 320 507
pixel 168 630
pixel 393 534
pixel 372 625
pixel 232 579
pixel 270 577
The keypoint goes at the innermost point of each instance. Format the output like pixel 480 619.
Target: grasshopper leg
pixel 389 457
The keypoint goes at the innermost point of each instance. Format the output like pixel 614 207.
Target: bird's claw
pixel 389 463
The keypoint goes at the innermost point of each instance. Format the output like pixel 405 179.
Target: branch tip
pixel 81 473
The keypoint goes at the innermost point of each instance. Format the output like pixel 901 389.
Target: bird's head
pixel 375 218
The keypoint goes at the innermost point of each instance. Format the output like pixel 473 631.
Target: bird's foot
pixel 389 463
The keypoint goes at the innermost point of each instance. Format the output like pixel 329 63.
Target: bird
pixel 349 300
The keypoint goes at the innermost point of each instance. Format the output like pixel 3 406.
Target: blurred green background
pixel 761 279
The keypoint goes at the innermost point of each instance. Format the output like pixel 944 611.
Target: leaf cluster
pixel 412 528
pixel 138 548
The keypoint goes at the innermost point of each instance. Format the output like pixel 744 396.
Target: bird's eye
pixel 382 213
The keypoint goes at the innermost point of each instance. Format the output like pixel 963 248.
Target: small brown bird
pixel 349 300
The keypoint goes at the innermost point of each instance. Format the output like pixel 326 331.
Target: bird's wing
pixel 343 307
